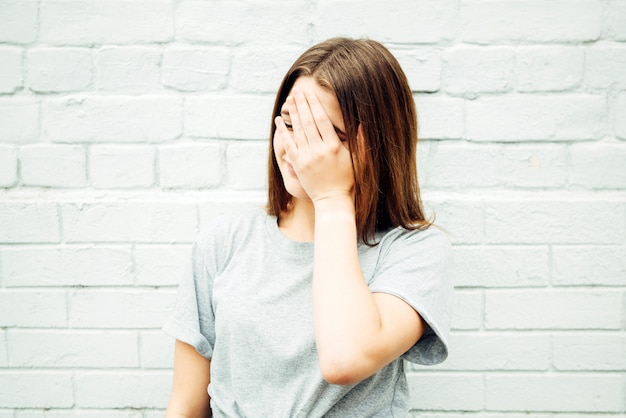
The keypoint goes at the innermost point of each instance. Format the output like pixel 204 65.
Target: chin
pixel 296 191
pixel 294 188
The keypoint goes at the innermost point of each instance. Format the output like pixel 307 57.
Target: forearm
pixel 346 316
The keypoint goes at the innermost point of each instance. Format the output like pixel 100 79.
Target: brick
pixel 536 117
pixel 156 350
pixel 534 165
pixel 18 21
pixel 620 121
pixel 588 265
pixel 97 119
pixel 440 117
pixel 598 165
pixel 503 266
pixel 549 68
pixel 52 70
pixel 601 352
pixel 260 69
pixel 53 165
pixel 195 69
pixel 422 67
pixel 11 69
pixel 66 266
pixel 191 166
pixel 472 69
pixel 22 222
pixel 105 22
pixel 554 393
pixel 36 389
pixel 615 21
pixel 244 201
pixel 8 166
pixel 129 69
pixel 192 19
pixel 22 109
pixel 429 21
pixel 488 22
pixel 247 165
pixel 468 310
pixel 279 18
pixel 32 309
pixel 539 220
pixel 423 153
pixel 134 308
pixel 125 389
pixel 161 265
pixel 4 360
pixel 462 220
pixel 66 349
pixel 431 391
pixel 234 22
pixel 123 167
pixel 145 221
pixel 228 117
pixel 552 309
pixel 604 67
pixel 483 352
pixel 159 414
pixel 454 165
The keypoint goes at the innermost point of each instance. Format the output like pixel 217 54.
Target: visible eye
pixel 342 136
pixel 284 113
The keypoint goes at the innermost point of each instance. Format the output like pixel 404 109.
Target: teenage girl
pixel 310 307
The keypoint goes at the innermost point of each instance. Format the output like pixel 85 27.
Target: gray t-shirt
pixel 247 306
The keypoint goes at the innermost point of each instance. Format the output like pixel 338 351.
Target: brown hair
pixel 373 93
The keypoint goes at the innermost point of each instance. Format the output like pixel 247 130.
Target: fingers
pixel 299 135
pixel 309 122
pixel 323 125
pixel 285 137
pixel 305 122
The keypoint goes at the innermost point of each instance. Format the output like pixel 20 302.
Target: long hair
pixel 373 94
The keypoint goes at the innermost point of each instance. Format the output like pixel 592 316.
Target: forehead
pixel 327 99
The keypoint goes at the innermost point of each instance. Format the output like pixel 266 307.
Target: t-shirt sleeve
pixel 414 266
pixel 192 320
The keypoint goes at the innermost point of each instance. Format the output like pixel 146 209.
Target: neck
pixel 297 222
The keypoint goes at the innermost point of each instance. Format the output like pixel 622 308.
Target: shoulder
pixel 222 234
pixel 431 240
pixel 408 255
pixel 231 224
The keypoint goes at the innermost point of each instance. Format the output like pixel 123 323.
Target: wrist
pixel 335 205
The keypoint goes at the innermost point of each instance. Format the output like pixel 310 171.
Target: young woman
pixel 309 308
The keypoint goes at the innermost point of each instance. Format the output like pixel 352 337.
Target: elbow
pixel 343 371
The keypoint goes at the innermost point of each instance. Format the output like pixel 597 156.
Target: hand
pixel 320 159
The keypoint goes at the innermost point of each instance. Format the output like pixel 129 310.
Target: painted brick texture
pixel 126 125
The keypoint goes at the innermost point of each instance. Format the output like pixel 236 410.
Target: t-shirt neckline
pixel 281 241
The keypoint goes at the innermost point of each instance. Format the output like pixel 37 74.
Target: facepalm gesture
pixel 312 133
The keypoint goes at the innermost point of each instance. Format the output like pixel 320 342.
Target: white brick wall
pixel 125 125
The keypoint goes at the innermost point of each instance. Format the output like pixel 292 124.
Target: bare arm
pixel 356 332
pixel 191 378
